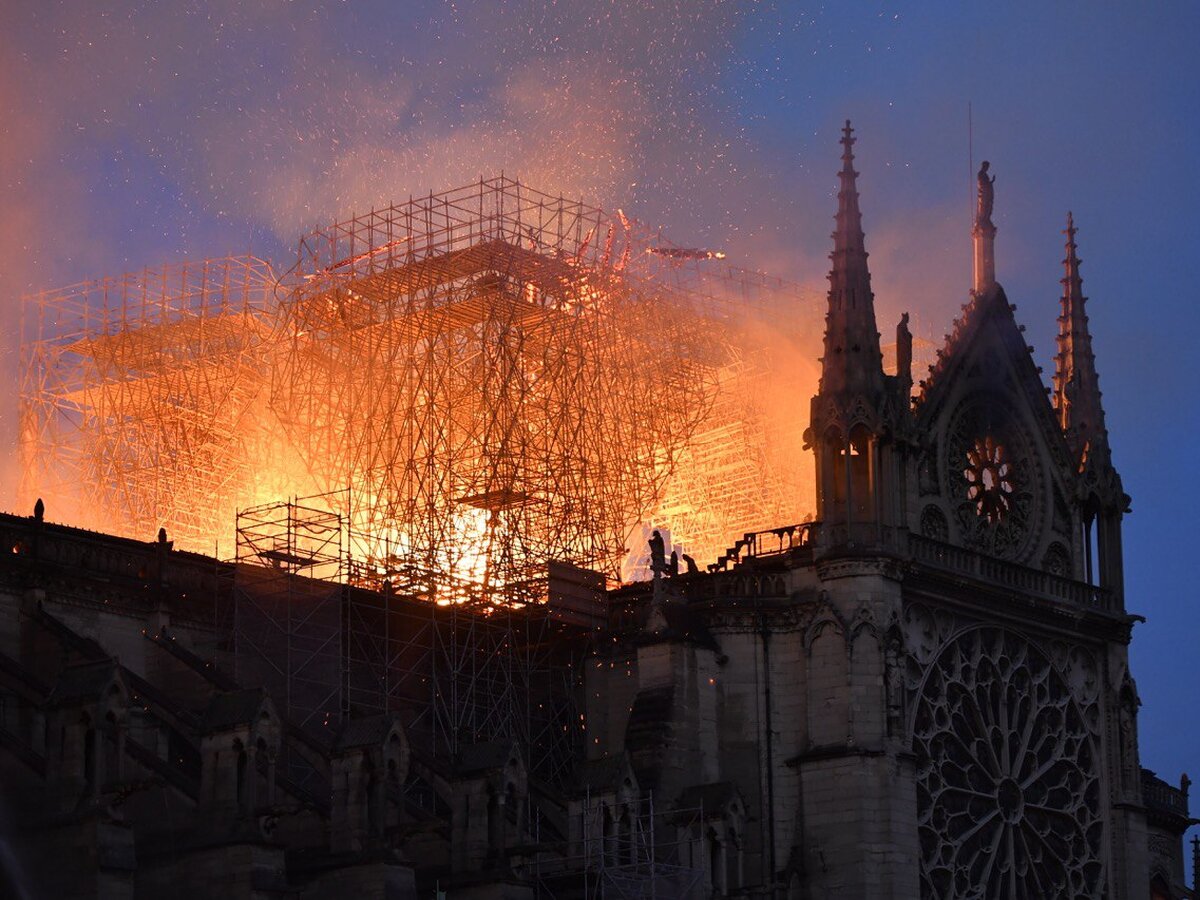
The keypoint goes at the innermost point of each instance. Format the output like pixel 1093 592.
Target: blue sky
pixel 135 134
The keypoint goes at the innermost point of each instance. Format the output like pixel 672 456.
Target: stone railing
pixel 861 537
pixel 1162 797
pixel 935 554
pixel 756 544
pixel 1007 574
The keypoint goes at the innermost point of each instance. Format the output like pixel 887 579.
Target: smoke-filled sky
pixel 139 133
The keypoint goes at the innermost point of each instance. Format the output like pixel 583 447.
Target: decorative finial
pixel 1072 279
pixel 162 535
pixel 848 141
pixel 39 509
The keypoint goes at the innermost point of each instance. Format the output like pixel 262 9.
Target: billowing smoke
pixel 203 131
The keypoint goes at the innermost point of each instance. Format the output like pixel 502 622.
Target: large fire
pixel 476 382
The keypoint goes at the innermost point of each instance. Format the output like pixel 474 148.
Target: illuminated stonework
pixel 1008 787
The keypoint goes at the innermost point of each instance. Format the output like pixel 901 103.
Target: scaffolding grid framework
pixel 650 854
pixel 499 373
pixel 138 394
pixel 498 376
pixel 477 390
pixel 458 673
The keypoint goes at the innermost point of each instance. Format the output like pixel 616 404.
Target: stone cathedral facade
pixel 925 692
pixel 932 680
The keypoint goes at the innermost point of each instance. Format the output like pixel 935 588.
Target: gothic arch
pixel 867 704
pixel 823 617
pixel 864 620
pixel 832 473
pixel 818 627
pixel 827 682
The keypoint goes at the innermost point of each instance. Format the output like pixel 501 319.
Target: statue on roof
pixel 904 351
pixel 983 213
pixel 658 556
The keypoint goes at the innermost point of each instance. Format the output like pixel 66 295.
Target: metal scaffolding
pixel 498 374
pixel 459 672
pixel 494 376
pixel 740 469
pixel 138 396
pixel 648 853
pixel 289 604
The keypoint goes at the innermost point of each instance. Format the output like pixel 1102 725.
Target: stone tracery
pixel 1008 790
pixel 993 478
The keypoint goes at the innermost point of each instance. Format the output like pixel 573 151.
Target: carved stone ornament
pixel 987 197
pixel 1008 788
pixel 1057 560
pixel 993 478
pixel 933 524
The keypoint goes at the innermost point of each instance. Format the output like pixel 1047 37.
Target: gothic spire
pixel 1076 384
pixel 852 362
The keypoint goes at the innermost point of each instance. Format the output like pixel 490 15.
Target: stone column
pixel 985 256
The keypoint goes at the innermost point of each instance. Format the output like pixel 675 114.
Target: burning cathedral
pixel 875 647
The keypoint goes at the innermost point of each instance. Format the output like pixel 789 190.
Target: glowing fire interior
pixel 485 379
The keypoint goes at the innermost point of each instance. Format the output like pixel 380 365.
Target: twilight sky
pixel 141 133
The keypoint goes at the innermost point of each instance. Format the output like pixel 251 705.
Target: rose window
pixel 989 480
pixel 993 478
pixel 1008 793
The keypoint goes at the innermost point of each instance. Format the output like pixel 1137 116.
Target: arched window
pixel 833 479
pixel 1091 540
pixel 89 754
pixel 114 748
pixel 733 860
pixel 716 862
pixel 395 748
pixel 495 825
pixel 862 474
pixel 512 806
pixel 240 750
pixel 264 774
pixel 369 789
pixel 607 838
pixel 828 685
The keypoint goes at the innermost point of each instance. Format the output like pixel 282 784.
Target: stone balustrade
pixel 1033 582
pixel 1162 797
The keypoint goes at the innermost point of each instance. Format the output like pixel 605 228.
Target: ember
pixel 484 379
pixel 682 253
